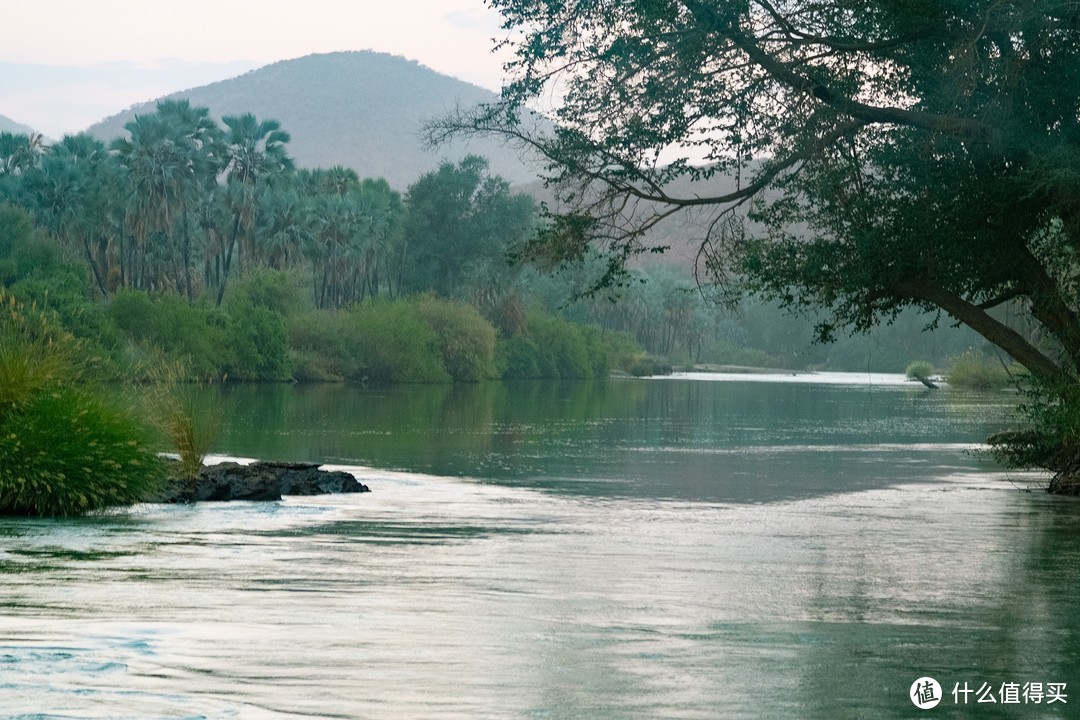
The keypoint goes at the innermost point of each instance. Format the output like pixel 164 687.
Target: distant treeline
pixel 197 240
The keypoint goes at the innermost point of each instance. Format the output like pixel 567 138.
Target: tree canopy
pixel 894 153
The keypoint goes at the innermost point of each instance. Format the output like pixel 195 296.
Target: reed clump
pixel 66 446
pixel 191 428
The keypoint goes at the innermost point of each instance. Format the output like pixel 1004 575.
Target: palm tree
pixel 256 155
pixel 166 158
pixel 19 152
pixel 71 190
pixel 283 225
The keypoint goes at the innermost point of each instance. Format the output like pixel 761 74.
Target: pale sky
pixel 75 62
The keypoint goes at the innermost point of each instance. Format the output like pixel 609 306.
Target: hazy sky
pixel 80 61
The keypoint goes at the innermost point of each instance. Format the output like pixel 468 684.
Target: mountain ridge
pixel 360 109
pixel 13 126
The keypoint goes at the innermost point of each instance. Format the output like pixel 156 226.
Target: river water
pixel 688 547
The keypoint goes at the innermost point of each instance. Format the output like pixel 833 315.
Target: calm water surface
pixel 675 548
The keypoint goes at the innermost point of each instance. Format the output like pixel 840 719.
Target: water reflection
pixel 626 593
pixel 714 441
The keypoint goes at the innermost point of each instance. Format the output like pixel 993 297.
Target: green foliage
pixel 462 223
pixel 195 334
pixel 519 357
pixel 1051 438
pixel 563 350
pixel 466 340
pixel 919 370
pixel 255 329
pixel 21 253
pixel 267 288
pixel 394 344
pixel 64 448
pixel 190 427
pixel 978 372
pixel 257 344
pixel 376 341
pixel 67 451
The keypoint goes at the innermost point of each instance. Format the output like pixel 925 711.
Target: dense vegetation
pixel 893 155
pixel 193 242
pixel 141 244
pixel 189 244
pixel 66 446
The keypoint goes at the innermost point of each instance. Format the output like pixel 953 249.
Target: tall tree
pixel 168 157
pixel 256 155
pixel 73 194
pixel 462 224
pixel 19 152
pixel 900 153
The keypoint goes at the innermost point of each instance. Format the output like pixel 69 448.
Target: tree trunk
pixel 94 267
pixel 228 261
pixel 993 330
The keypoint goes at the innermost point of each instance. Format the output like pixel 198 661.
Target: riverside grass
pixel 65 448
pixel 190 428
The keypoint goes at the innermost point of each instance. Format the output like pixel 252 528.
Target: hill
pixel 9 125
pixel 363 110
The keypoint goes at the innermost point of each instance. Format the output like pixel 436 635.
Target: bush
pixel 194 334
pixel 67 452
pixel 552 347
pixel 973 371
pixel 1051 438
pixel 377 341
pixel 919 370
pixel 922 371
pixel 518 356
pixel 64 448
pixel 266 288
pixel 257 344
pixel 563 350
pixel 465 339
pixel 647 365
pixel 393 344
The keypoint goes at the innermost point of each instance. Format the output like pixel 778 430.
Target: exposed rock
pixel 258 481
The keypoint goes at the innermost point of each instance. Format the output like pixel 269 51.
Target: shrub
pixel 596 349
pixel 647 365
pixel 922 371
pixel 563 350
pixel 266 288
pixel 318 347
pixel 257 344
pixel 194 334
pixel 973 371
pixel 377 341
pixel 518 357
pixel 64 448
pixel 393 344
pixel 623 349
pixel 919 370
pixel 67 452
pixel 465 339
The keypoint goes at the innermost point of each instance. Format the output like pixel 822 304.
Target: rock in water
pixel 258 481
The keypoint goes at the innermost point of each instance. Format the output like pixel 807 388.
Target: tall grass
pixel 65 447
pixel 190 428
pixel 970 370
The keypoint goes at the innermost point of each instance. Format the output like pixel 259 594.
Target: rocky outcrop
pixel 258 481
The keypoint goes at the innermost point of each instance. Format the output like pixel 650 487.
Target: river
pixel 686 547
